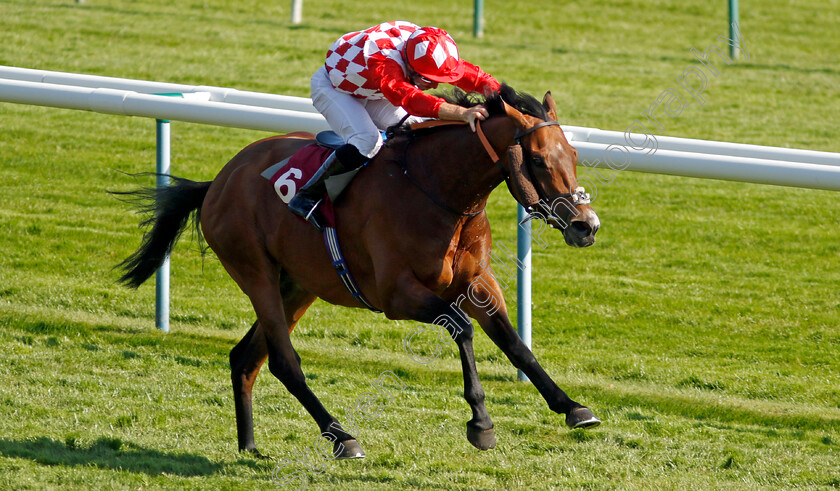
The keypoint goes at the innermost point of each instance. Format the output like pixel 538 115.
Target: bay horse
pixel 415 235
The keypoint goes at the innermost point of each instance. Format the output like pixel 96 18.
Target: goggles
pixel 424 79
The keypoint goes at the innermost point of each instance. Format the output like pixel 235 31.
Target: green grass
pixel 702 327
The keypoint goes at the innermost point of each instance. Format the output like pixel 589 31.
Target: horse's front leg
pixel 415 301
pixel 480 430
pixel 486 305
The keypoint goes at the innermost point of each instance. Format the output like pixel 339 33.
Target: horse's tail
pixel 169 210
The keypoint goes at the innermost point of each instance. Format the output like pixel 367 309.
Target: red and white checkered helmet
pixel 432 53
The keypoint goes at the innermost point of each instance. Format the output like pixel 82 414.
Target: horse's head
pixel 543 175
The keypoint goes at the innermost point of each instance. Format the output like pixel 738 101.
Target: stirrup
pixel 312 216
pixel 312 210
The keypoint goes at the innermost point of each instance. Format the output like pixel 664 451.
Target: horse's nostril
pixel 581 229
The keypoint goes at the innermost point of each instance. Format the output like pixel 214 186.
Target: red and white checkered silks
pixel 347 58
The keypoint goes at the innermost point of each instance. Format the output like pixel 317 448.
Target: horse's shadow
pixel 108 453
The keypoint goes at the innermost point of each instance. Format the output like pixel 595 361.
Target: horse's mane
pixel 522 102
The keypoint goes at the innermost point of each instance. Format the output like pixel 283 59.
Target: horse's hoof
pixel 581 417
pixel 481 439
pixel 255 453
pixel 348 449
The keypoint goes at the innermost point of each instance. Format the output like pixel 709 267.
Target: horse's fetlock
pixel 480 424
pixel 474 397
pixel 563 407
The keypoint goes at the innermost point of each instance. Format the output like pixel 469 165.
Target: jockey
pixel 375 78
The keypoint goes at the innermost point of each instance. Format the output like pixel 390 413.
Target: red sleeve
pixel 475 79
pixel 402 93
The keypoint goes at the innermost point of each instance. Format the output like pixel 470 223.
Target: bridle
pixel 525 188
pixel 527 191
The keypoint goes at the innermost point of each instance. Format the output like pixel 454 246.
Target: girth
pixel 340 265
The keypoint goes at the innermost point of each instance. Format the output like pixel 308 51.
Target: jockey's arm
pixel 477 80
pixel 400 92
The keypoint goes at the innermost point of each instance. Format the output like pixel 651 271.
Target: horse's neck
pixel 454 166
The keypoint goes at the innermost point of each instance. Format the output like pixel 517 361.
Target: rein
pixel 404 166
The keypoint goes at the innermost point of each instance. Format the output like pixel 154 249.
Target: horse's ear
pixel 514 114
pixel 550 106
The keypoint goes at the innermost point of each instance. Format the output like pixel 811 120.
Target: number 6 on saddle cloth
pixel 291 174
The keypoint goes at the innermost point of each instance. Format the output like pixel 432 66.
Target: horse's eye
pixel 538 161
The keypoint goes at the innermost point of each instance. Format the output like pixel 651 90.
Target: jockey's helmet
pixel 433 54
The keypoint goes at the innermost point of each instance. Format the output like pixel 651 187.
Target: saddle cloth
pixel 289 175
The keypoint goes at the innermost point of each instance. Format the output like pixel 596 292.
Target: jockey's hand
pixel 467 114
pixel 475 113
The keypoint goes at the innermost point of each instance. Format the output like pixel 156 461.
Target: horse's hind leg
pixel 249 355
pixel 257 275
pixel 246 358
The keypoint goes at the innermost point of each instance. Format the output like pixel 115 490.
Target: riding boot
pixel 305 202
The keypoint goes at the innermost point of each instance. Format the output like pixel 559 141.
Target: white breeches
pixel 356 121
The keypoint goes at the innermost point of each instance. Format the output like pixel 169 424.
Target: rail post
pixel 162 275
pixel 478 18
pixel 733 21
pixel 523 281
pixel 297 11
